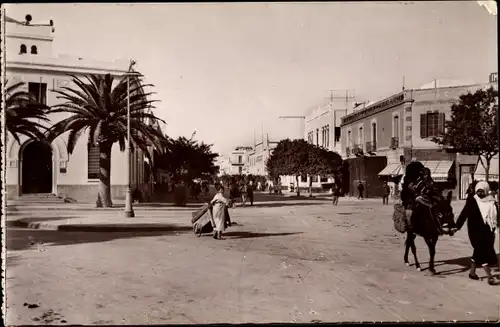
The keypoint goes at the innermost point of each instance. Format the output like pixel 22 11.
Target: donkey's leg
pixel 431 243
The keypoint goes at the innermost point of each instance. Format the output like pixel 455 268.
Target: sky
pixel 228 70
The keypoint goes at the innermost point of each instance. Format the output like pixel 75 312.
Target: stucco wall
pixel 440 99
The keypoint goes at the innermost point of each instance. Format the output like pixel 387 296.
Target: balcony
pixel 394 143
pixel 371 147
pixel 357 150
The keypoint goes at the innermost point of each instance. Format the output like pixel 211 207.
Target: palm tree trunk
pixel 298 186
pixel 105 175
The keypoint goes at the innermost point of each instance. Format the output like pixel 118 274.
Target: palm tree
pixel 22 112
pixel 102 110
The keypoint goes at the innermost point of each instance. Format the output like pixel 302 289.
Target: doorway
pixel 37 168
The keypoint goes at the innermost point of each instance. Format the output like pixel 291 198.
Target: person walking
pixel 361 188
pixel 220 213
pixel 250 192
pixel 243 193
pixel 386 192
pixel 480 211
pixel 335 194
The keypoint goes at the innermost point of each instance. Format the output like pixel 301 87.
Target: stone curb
pixel 16 208
pixel 152 227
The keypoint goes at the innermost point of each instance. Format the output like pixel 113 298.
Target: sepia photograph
pixel 253 162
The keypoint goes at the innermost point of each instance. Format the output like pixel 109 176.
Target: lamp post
pixel 129 210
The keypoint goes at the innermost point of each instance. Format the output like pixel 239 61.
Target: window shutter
pixel 423 126
pixel 441 123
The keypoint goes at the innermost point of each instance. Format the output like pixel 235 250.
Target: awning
pixel 479 173
pixel 392 169
pixel 439 169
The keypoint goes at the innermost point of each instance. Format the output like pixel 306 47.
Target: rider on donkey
pixel 419 190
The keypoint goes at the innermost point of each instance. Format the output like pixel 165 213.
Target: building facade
pixel 33 168
pixel 239 160
pixel 322 128
pixel 401 128
pixel 258 157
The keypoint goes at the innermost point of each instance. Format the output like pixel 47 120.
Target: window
pixel 314 178
pixel 317 136
pixel 34 49
pixel 240 159
pixel 39 91
pixel 326 137
pixel 324 179
pixel 374 132
pixel 395 126
pixel 432 124
pixel 303 178
pixel 360 137
pixel 337 134
pixel 349 138
pixel 23 49
pixel 240 170
pixel 93 161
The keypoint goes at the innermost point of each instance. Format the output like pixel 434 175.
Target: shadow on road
pixel 21 239
pixel 235 235
pixel 281 204
pixel 461 265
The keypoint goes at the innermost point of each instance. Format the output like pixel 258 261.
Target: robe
pixel 219 208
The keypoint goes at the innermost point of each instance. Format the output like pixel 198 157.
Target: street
pixel 290 261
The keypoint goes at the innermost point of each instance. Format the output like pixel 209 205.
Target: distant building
pixel 224 165
pixel 322 128
pixel 238 160
pixel 32 168
pixel 258 157
pixel 400 128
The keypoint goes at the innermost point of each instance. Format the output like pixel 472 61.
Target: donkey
pixel 422 223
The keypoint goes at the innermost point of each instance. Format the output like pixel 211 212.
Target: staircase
pixel 39 198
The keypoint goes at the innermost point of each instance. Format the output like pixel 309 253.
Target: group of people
pixel 480 212
pixel 244 191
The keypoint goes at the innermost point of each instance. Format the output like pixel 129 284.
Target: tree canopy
pixel 473 127
pixel 97 106
pixel 187 159
pixel 23 114
pixel 299 158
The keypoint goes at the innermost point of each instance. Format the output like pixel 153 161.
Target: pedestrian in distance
pixel 220 213
pixel 243 193
pixel 250 192
pixel 361 188
pixel 335 194
pixel 386 192
pixel 480 212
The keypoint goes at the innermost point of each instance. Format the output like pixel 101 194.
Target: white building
pixel 238 160
pixel 32 168
pixel 259 155
pixel 322 128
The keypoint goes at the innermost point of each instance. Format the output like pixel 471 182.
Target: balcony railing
pixel 371 146
pixel 357 150
pixel 394 143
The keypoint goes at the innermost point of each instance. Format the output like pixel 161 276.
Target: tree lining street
pixel 301 262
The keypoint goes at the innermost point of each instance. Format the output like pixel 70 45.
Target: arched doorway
pixel 37 168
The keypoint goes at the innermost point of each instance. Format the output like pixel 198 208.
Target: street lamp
pixel 129 210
